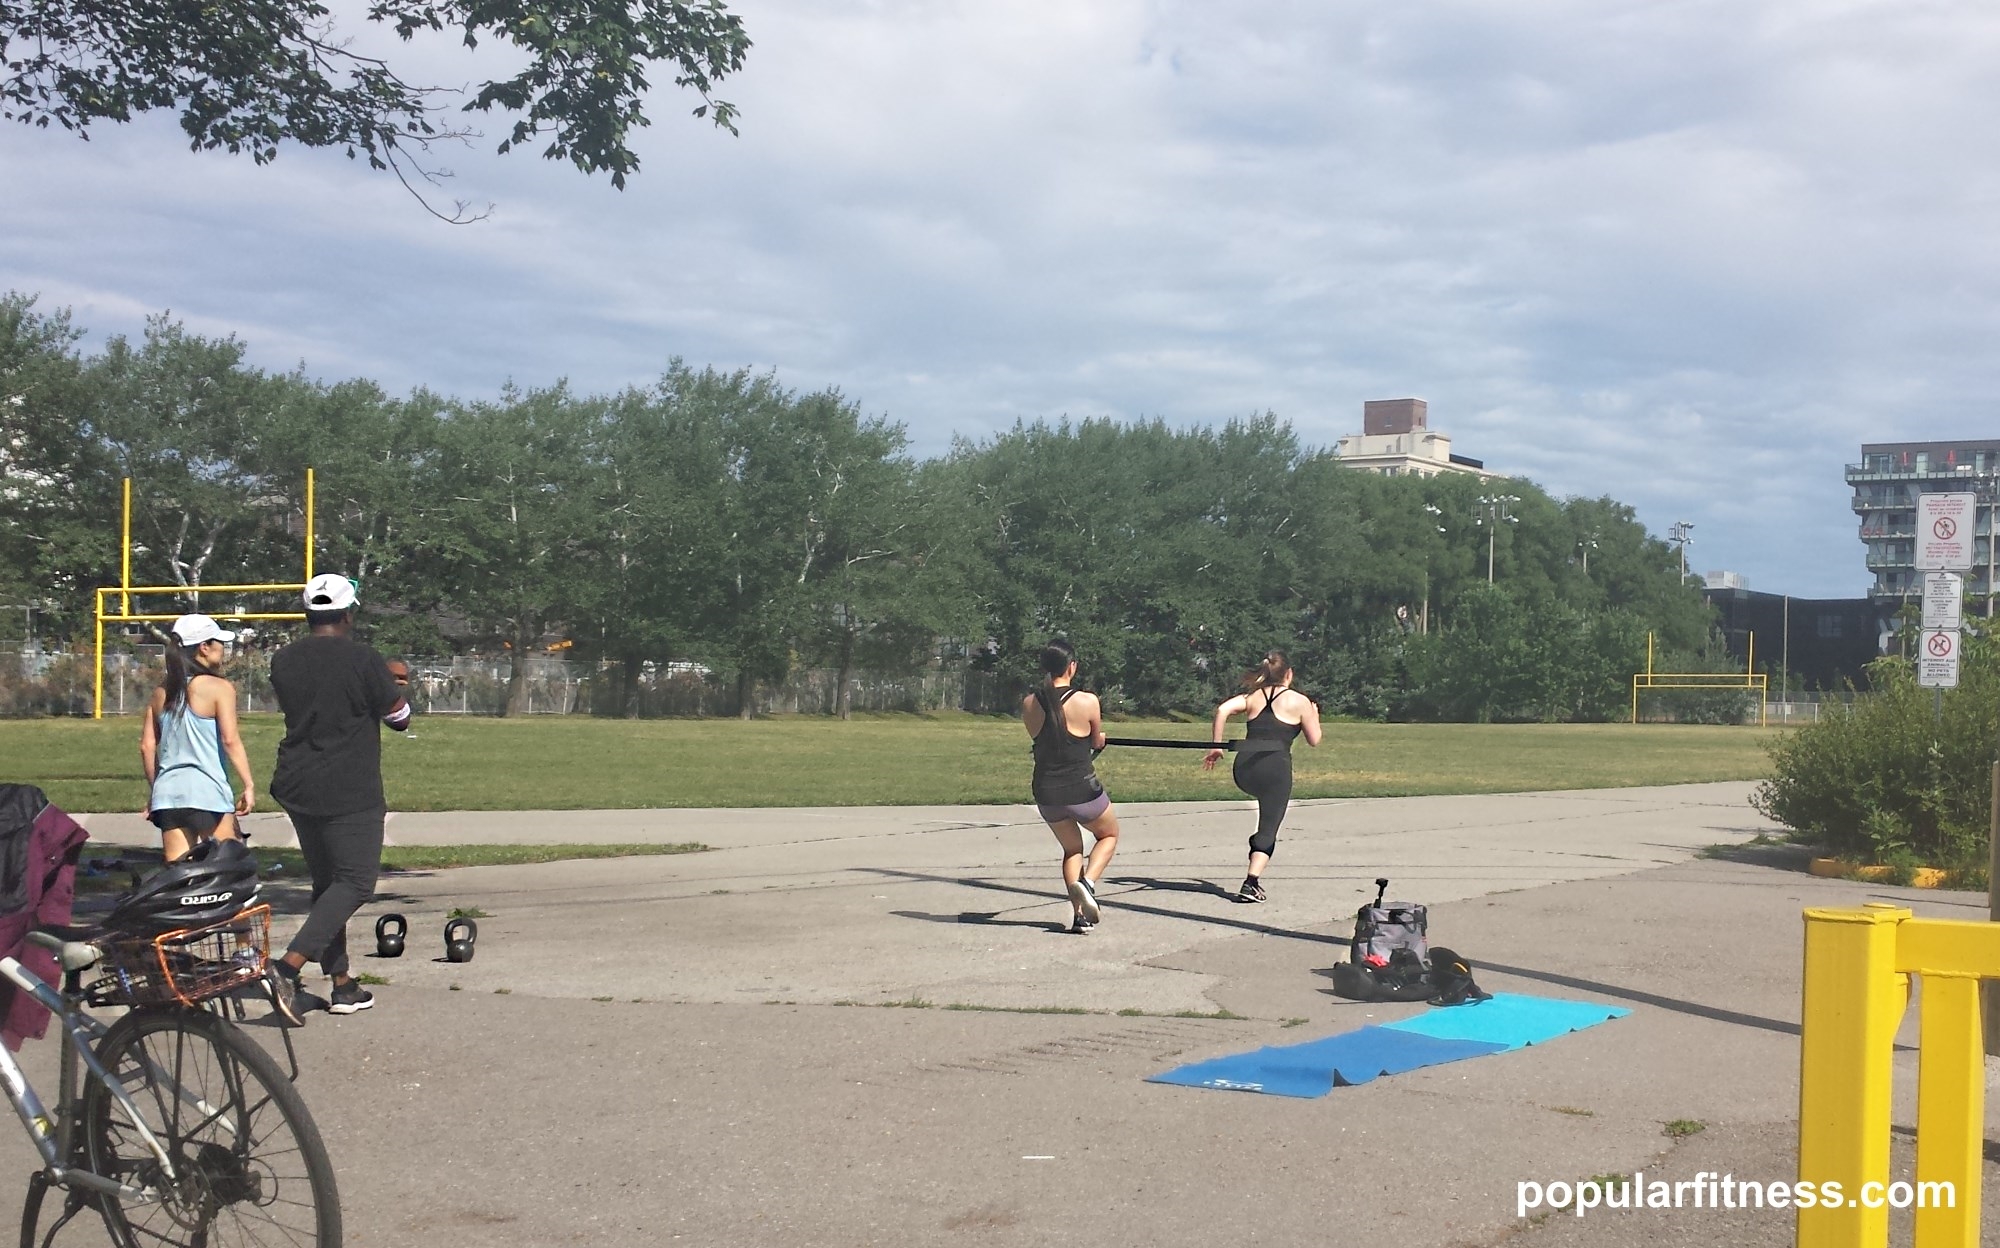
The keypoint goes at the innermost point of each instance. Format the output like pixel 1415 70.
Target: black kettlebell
pixel 458 948
pixel 389 932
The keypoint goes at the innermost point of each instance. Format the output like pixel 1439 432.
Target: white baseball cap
pixel 329 591
pixel 193 630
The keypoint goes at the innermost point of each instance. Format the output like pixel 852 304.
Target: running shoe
pixel 349 998
pixel 286 995
pixel 1251 891
pixel 1082 927
pixel 1084 898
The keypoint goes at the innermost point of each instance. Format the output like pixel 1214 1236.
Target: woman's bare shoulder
pixel 213 690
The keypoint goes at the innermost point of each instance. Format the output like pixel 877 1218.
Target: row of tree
pixel 718 517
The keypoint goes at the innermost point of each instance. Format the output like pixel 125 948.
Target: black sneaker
pixel 349 998
pixel 1251 891
pixel 283 983
pixel 1084 897
pixel 1082 927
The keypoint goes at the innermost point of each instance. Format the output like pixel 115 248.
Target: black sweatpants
pixel 344 854
pixel 1267 776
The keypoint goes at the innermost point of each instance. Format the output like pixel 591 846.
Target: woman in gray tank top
pixel 1068 728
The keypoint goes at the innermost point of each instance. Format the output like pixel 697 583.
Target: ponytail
pixel 182 666
pixel 1057 656
pixel 177 675
pixel 1268 674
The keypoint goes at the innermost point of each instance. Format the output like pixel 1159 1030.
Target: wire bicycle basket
pixel 184 967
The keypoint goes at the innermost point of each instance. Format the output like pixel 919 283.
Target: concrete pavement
pixel 653 1049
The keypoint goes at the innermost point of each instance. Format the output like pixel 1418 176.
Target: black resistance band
pixel 1171 745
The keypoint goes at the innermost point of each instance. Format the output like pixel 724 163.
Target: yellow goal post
pixel 124 591
pixel 1749 679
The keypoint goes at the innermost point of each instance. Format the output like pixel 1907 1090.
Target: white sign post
pixel 1937 658
pixel 1944 592
pixel 1944 531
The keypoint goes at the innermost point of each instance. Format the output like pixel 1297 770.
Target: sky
pixel 1687 255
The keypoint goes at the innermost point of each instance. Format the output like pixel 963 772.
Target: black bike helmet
pixel 208 886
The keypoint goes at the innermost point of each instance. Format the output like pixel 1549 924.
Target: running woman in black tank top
pixel 1067 726
pixel 1264 757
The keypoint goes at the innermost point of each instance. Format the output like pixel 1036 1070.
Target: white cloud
pixel 1690 256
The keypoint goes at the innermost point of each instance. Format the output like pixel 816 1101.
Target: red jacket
pixel 39 846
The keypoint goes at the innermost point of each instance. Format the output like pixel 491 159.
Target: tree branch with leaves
pixel 250 75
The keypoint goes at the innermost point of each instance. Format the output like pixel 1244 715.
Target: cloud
pixel 1689 256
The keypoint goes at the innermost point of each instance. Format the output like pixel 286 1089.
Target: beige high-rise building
pixel 1396 441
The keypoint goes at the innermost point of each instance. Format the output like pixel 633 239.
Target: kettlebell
pixel 389 932
pixel 457 947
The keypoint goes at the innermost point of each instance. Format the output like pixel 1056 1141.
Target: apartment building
pixel 1887 483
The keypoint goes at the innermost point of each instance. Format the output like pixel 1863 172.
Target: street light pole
pixel 1681 535
pixel 1785 662
pixel 1424 620
pixel 1492 511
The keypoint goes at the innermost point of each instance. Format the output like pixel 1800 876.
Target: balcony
pixel 1967 473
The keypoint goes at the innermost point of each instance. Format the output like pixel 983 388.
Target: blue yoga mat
pixel 1319 1066
pixel 1509 1020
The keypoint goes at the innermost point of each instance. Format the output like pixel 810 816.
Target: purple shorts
pixel 1083 813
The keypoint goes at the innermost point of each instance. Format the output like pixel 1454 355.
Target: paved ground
pixel 656 1049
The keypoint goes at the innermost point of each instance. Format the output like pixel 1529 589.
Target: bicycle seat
pixel 74 947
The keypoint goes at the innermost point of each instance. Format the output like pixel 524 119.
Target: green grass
pixel 445 857
pixel 579 763
pixel 1681 1128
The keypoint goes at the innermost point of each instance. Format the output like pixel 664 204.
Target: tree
pixel 371 455
pixel 52 549
pixel 511 510
pixel 803 472
pixel 651 587
pixel 183 417
pixel 246 77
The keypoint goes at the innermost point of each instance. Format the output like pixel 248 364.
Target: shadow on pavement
pixel 983 919
pixel 1675 1004
pixel 1124 903
pixel 1637 996
pixel 1205 888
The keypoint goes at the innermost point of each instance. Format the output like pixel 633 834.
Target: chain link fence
pixel 40 682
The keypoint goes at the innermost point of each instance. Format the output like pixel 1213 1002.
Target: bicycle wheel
pixel 249 1167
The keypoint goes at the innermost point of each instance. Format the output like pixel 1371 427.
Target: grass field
pixel 577 763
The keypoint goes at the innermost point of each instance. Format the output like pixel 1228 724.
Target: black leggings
pixel 344 854
pixel 1267 776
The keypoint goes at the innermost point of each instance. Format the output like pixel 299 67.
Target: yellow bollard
pixel 1951 1110
pixel 1993 908
pixel 1854 1000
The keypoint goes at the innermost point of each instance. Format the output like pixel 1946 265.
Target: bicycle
pixel 184 1131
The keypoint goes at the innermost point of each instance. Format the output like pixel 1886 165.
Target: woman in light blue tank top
pixel 190 728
